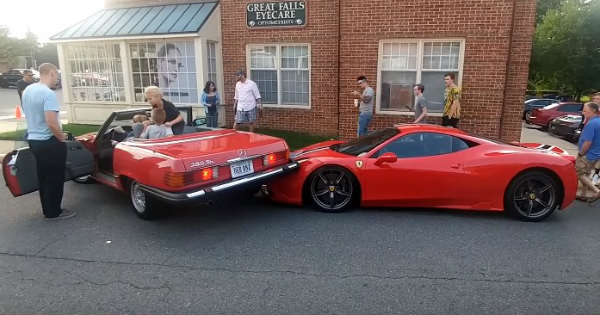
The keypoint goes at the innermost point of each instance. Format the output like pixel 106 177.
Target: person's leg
pixel 583 168
pixel 47 156
pixel 362 124
pixel 368 118
pixel 237 119
pixel 454 122
pixel 56 176
pixel 445 121
pixel 36 148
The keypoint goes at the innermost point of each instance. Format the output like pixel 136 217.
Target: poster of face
pixel 176 71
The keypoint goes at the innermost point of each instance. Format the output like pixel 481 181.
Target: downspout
pixel 339 39
pixel 508 61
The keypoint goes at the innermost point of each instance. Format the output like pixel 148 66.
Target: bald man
pixel 46 141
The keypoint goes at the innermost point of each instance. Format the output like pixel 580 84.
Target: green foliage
pixel 566 48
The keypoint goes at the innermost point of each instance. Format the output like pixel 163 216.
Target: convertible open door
pixel 20 172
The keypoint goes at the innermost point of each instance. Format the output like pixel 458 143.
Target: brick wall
pixel 496 60
pixel 321 32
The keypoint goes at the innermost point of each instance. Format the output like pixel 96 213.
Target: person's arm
pixel 585 147
pixel 174 121
pixel 203 99
pixel 257 96
pixel 51 118
pixel 423 114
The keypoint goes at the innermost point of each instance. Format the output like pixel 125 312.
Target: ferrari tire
pixel 332 189
pixel 532 196
pixel 145 206
pixel 87 179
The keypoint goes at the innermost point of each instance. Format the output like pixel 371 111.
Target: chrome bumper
pixel 205 193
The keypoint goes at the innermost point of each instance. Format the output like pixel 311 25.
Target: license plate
pixel 241 168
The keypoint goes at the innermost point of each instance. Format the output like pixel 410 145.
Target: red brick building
pixel 395 44
pixel 305 57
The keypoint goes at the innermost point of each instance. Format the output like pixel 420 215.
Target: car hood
pixel 321 146
pixel 212 147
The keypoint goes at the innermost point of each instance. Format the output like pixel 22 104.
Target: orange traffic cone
pixel 18 114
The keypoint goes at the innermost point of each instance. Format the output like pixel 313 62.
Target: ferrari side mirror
pixel 387 157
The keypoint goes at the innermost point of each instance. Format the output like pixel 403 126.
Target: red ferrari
pixel 428 166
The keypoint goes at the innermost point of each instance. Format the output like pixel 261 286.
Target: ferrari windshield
pixel 366 143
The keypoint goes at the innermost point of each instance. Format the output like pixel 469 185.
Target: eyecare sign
pixel 276 14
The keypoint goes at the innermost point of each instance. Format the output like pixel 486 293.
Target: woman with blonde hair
pixel 174 120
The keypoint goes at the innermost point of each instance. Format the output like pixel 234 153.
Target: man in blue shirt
pixel 46 140
pixel 589 149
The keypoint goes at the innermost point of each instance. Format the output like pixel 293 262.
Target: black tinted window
pixel 425 144
pixel 366 143
pixel 570 108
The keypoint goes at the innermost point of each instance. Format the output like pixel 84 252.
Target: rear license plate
pixel 241 168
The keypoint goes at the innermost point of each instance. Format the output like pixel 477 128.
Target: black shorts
pixel 447 121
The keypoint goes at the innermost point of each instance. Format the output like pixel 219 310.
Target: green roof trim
pixel 141 21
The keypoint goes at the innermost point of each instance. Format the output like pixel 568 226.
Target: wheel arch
pixel 551 173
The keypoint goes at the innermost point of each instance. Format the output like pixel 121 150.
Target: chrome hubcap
pixel 138 198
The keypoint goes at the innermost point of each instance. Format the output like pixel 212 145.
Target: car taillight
pixel 208 173
pixel 273 158
pixel 270 159
pixel 176 179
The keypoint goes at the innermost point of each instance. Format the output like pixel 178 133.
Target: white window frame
pixel 68 74
pixel 420 43
pixel 278 68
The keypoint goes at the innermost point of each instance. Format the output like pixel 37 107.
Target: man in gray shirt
pixel 366 105
pixel 420 105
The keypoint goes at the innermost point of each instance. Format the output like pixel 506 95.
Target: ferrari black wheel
pixel 532 196
pixel 332 189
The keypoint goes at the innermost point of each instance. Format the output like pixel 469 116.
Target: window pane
pixel 434 90
pixel 399 56
pixel 294 87
pixel 263 58
pixel 267 84
pixel 397 90
pixel 441 55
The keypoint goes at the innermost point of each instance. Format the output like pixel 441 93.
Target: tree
pixel 543 6
pixel 566 50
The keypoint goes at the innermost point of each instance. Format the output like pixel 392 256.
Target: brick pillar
pixel 518 69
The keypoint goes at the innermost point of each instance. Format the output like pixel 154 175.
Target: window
pixel 282 73
pixel 95 72
pixel 571 108
pixel 424 144
pixel 169 65
pixel 212 61
pixel 405 63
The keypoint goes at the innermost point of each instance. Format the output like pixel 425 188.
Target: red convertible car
pixel 193 166
pixel 429 166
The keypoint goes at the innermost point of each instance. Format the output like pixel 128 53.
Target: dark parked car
pixel 12 76
pixel 567 126
pixel 534 103
pixel 543 116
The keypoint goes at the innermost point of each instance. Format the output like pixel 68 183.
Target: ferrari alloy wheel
pixel 144 205
pixel 532 196
pixel 332 189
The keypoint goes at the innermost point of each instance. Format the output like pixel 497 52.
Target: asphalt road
pixel 256 257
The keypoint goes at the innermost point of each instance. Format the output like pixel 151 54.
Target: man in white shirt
pixel 246 102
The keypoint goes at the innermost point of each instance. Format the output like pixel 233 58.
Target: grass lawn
pixel 295 140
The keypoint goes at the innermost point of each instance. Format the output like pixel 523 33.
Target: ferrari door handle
pixel 456 165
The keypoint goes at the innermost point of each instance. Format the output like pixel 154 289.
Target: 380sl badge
pixel 201 163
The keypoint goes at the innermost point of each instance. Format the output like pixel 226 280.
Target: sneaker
pixel 65 214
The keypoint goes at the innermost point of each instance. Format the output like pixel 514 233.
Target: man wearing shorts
pixel 246 102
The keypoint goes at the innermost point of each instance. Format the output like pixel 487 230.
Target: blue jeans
pixel 364 119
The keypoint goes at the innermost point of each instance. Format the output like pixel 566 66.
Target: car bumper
pixel 255 179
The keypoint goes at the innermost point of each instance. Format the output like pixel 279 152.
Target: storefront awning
pixel 140 21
